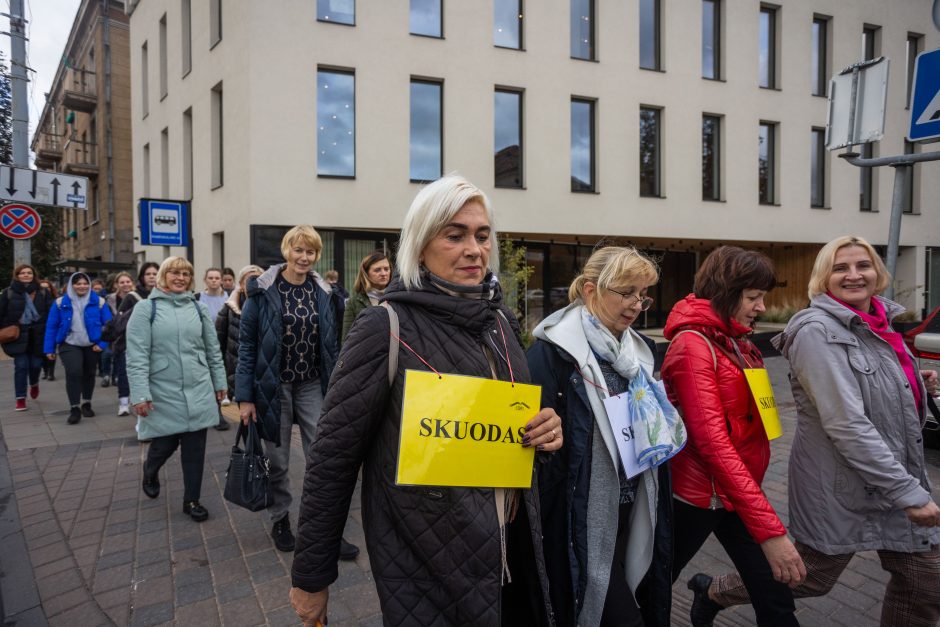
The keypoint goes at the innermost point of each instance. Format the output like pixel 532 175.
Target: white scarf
pixel 625 355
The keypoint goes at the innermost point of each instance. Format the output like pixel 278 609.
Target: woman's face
pixel 460 252
pixel 124 284
pixel 750 306
pixel 177 281
pixel 300 258
pixel 379 274
pixel 213 280
pixel 25 275
pixel 150 278
pixel 854 278
pixel 244 281
pixel 81 286
pixel 618 307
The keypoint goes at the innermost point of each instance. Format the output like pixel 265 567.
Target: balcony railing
pixel 81 92
pixel 80 157
pixel 48 148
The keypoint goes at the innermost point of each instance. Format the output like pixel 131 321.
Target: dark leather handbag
pixel 247 479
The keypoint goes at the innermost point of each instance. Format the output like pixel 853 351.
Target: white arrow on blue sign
pixel 925 99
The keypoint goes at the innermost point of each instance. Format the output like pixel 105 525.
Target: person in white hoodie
pixel 606 496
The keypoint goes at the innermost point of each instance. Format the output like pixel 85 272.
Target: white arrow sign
pixel 38 187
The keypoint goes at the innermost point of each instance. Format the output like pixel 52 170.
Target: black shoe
pixel 44 376
pixel 703 610
pixel 151 486
pixel 75 415
pixel 223 425
pixel 347 551
pixel 87 411
pixel 283 538
pixel 196 511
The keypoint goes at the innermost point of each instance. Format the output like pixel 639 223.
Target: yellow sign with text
pixel 465 431
pixel 759 382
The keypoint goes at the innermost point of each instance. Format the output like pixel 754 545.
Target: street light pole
pixel 20 112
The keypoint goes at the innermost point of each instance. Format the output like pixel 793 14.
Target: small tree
pixel 514 275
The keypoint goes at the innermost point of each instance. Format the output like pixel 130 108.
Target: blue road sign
pixel 925 99
pixel 163 222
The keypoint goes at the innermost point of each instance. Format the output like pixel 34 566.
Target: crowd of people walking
pixel 631 475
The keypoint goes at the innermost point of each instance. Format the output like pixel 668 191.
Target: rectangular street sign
pixel 925 97
pixel 39 187
pixel 857 98
pixel 163 222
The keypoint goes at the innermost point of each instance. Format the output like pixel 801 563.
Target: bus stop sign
pixel 925 97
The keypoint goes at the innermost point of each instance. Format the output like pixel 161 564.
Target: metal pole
pixel 894 229
pixel 18 80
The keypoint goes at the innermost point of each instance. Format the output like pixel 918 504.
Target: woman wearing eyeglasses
pixel 717 478
pixel 606 521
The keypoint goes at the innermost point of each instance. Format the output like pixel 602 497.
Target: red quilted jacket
pixel 727 453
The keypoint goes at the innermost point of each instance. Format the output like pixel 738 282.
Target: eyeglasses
pixel 645 302
pixel 186 274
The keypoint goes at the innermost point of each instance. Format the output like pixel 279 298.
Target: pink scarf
pixel 877 321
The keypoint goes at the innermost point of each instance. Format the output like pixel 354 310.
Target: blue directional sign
pixel 925 99
pixel 164 222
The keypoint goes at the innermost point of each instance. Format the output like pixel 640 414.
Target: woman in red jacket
pixel 717 477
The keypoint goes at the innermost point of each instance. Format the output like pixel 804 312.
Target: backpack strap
pixel 392 342
pixel 707 342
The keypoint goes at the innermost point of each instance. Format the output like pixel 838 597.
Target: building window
pixel 766 163
pixel 425 18
pixel 817 161
pixel 912 182
pixel 145 165
pixel 336 123
pixel 711 157
pixel 165 163
pixel 507 23
pixel 914 47
pixel 337 11
pixel 217 134
pixel 188 154
pixel 186 34
pixel 427 138
pixel 650 151
pixel 767 52
pixel 870 43
pixel 649 35
pixel 582 145
pixel 711 39
pixel 507 114
pixel 215 22
pixel 866 198
pixel 163 54
pixel 144 80
pixel 819 65
pixel 582 30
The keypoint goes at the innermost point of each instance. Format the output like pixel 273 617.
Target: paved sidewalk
pixel 83 546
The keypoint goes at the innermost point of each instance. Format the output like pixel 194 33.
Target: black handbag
pixel 247 477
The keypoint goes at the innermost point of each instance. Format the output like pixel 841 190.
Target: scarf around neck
pixel 625 355
pixel 78 334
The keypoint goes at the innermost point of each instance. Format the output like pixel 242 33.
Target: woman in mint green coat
pixel 176 377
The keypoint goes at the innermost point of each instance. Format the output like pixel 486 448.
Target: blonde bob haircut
pixel 177 264
pixel 614 267
pixel 249 269
pixel 431 210
pixel 822 269
pixel 302 235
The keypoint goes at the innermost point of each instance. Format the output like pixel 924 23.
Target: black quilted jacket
pixel 227 325
pixel 435 552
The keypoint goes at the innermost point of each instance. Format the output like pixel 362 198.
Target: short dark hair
pixel 228 272
pixel 727 272
pixel 143 270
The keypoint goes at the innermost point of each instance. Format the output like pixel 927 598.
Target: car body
pixel 924 342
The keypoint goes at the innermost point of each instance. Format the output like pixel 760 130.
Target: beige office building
pixel 673 125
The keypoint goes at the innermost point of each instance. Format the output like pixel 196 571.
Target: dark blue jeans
pixel 104 362
pixel 120 374
pixel 25 367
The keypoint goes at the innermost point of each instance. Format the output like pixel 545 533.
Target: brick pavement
pixel 99 552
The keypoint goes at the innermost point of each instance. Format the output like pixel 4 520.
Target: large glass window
pixel 819 67
pixel 711 39
pixel 339 11
pixel 650 158
pixel 336 123
pixel 424 18
pixel 426 150
pixel 582 145
pixel 817 180
pixel 649 35
pixel 582 29
pixel 507 110
pixel 767 52
pixel 507 23
pixel 765 163
pixel 914 46
pixel 711 157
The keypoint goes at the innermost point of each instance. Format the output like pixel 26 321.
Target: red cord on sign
pixel 512 379
pixel 589 382
pixel 415 353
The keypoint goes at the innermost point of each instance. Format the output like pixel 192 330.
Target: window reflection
pixel 582 29
pixel 339 11
pixel 711 157
pixel 425 131
pixel 710 39
pixel 336 123
pixel 425 18
pixel 582 145
pixel 766 57
pixel 649 34
pixel 765 164
pixel 649 151
pixel 507 23
pixel 818 61
pixel 507 109
pixel 817 168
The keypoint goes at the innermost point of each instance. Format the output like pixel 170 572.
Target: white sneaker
pixel 124 410
pixel 226 402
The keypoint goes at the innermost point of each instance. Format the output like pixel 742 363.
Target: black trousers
pixel 80 363
pixel 620 608
pixel 192 459
pixel 772 600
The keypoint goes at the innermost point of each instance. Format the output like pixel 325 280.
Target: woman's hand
pixel 310 606
pixel 143 409
pixel 926 516
pixel 784 560
pixel 95 348
pixel 50 356
pixel 931 381
pixel 220 394
pixel 544 431
pixel 246 411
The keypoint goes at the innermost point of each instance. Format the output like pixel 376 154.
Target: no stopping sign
pixel 19 221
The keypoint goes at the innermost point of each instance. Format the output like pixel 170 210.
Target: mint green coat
pixel 174 362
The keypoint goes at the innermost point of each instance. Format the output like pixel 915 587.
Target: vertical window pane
pixel 508 138
pixel 582 29
pixel 913 48
pixel 767 48
pixel 426 148
pixel 507 23
pixel 218 138
pixel 649 34
pixel 425 18
pixel 339 11
pixel 868 43
pixel 710 39
pixel 711 157
pixel 336 123
pixel 819 70
pixel 582 146
pixel 817 168
pixel 649 152
pixel 911 180
pixel 765 164
pixel 865 182
pixel 186 34
pixel 144 80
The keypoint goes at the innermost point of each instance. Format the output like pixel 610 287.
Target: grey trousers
pixel 301 404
